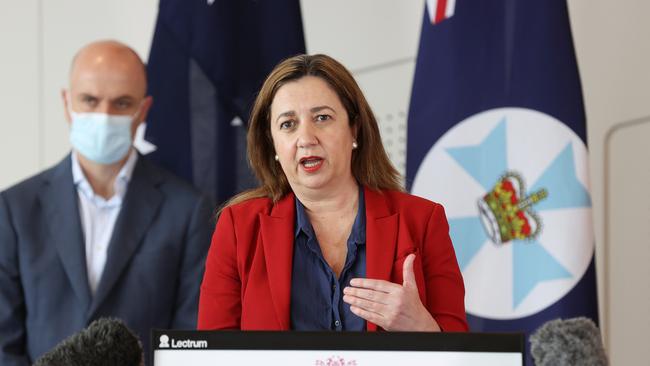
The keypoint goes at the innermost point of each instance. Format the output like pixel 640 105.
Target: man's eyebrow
pixel 84 95
pixel 123 97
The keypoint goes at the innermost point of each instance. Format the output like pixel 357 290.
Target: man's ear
pixel 66 104
pixel 142 115
pixel 146 104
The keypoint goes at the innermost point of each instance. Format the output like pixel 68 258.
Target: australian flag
pixel 496 132
pixel 208 60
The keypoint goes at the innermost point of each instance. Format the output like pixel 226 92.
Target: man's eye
pixel 123 104
pixel 287 125
pixel 90 101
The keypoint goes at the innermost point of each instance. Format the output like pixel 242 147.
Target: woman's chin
pixel 314 185
pixel 313 182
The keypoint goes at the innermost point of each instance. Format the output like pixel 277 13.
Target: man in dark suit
pixel 104 232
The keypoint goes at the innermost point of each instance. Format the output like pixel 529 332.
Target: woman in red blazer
pixel 329 240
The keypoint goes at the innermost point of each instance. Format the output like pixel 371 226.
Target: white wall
pixel 377 39
pixel 613 47
pixel 20 91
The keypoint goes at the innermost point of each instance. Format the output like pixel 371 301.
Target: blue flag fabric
pixel 207 61
pixel 496 132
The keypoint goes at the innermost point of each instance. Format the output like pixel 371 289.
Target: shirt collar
pixel 119 186
pixel 358 234
pixel 302 221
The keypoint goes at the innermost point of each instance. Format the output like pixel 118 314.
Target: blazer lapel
pixel 277 241
pixel 60 206
pixel 140 205
pixel 381 238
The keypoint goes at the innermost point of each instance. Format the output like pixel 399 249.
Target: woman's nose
pixel 306 136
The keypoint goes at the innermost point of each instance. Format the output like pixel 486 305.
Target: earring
pixel 277 158
pixel 354 145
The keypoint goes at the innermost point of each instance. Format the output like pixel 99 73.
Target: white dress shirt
pixel 98 215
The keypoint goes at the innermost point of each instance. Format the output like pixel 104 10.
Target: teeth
pixel 311 163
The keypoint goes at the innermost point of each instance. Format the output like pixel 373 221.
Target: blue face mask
pixel 100 137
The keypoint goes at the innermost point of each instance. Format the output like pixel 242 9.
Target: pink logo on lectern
pixel 336 361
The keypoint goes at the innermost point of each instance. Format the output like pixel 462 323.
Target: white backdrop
pixel 377 40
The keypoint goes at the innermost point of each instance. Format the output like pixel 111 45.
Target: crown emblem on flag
pixel 507 214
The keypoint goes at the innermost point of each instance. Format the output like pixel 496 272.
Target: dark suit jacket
pixel 247 281
pixel 153 269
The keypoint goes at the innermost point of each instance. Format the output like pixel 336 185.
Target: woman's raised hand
pixel 389 305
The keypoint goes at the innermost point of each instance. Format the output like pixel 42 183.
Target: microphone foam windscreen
pixel 574 342
pixel 104 342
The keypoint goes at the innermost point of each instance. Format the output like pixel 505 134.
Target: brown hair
pixel 370 164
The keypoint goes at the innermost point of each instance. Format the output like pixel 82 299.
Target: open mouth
pixel 311 163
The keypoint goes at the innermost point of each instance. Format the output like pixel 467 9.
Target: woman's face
pixel 311 134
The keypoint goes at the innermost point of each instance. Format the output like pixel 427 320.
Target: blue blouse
pixel 316 294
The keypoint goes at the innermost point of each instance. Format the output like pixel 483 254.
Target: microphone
pixel 105 342
pixel 574 341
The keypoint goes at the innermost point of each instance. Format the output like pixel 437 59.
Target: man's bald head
pixel 112 58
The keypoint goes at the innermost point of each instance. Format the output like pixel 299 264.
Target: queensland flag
pixel 208 59
pixel 496 132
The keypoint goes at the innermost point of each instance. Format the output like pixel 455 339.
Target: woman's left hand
pixel 389 305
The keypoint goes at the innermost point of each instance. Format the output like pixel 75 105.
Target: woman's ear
pixel 355 130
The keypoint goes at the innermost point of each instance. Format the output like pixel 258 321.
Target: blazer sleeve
pixel 197 241
pixel 12 301
pixel 220 300
pixel 445 291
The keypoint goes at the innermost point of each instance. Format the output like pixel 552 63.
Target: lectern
pixel 203 348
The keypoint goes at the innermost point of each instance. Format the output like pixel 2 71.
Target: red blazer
pixel 247 281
